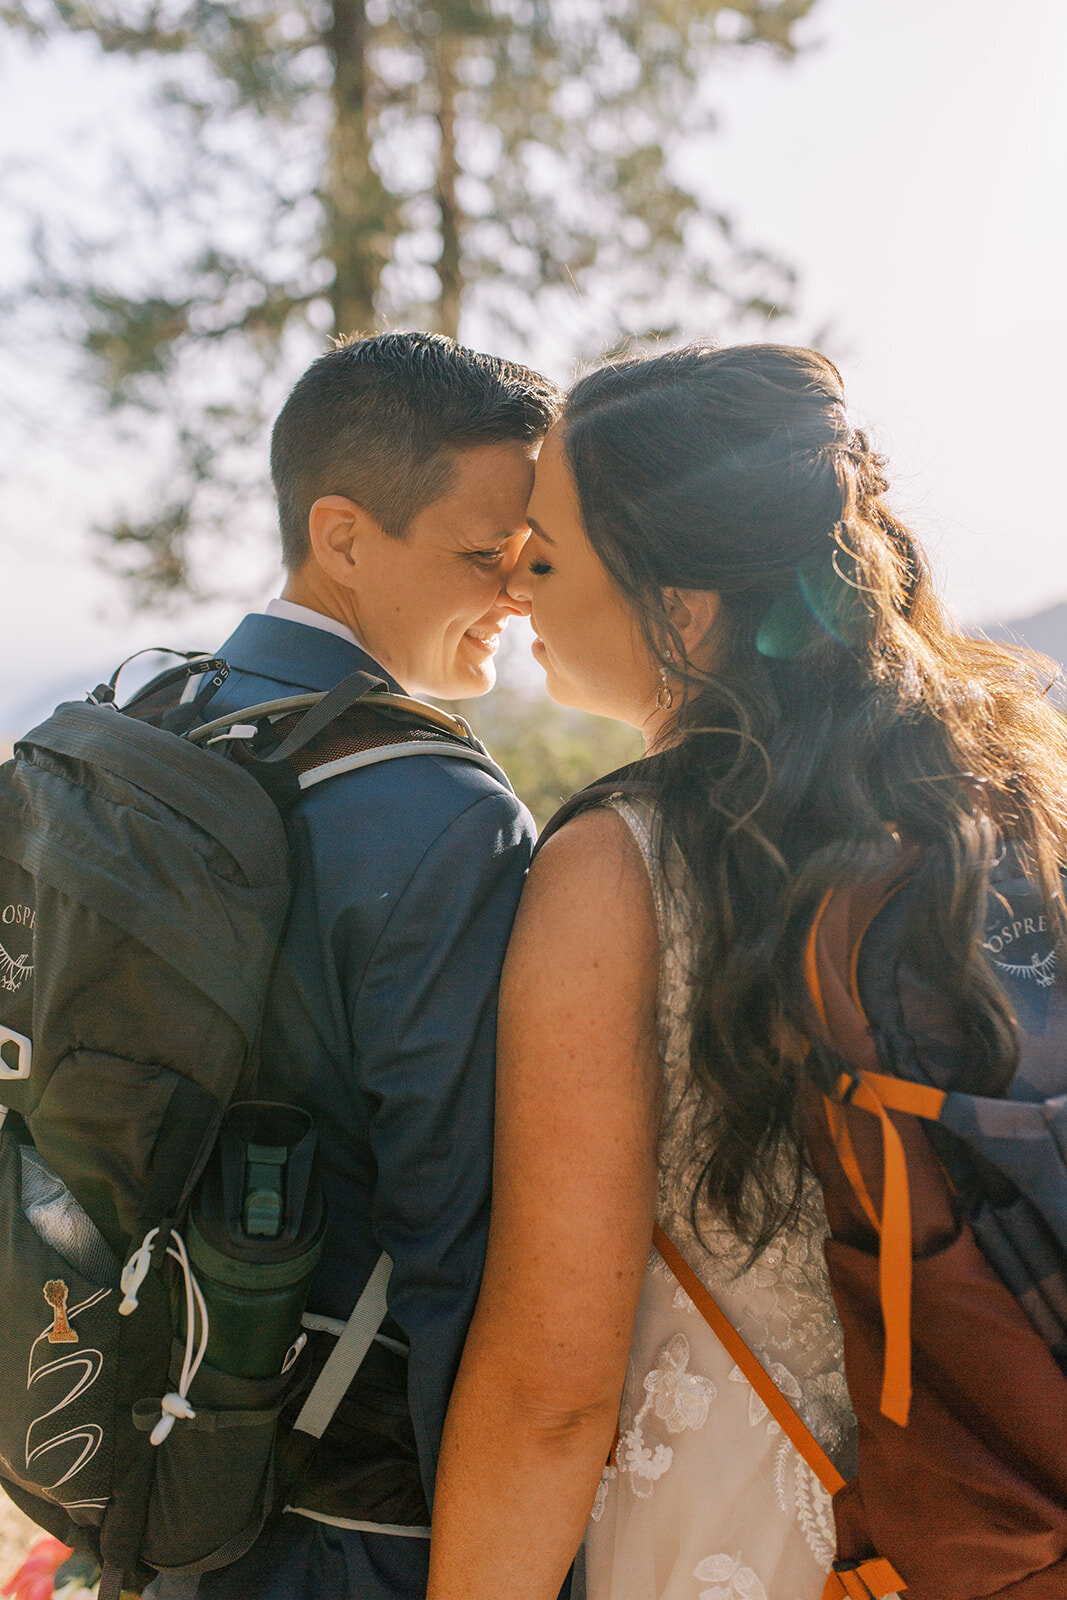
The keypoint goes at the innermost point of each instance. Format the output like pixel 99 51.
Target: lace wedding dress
pixel 705 1498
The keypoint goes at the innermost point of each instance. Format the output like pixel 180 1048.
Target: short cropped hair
pixel 377 420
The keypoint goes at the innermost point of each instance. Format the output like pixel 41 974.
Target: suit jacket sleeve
pixel 424 1027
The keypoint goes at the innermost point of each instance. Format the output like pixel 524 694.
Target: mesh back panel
pixel 361 728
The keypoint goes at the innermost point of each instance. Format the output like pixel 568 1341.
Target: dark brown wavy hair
pixel 841 703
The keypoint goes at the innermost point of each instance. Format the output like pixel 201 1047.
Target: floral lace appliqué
pixel 681 1399
pixel 678 1398
pixel 730 1580
pixel 798 1491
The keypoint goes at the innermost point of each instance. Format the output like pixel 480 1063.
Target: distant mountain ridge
pixel 1045 631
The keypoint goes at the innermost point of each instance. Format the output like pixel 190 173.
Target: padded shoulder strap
pixel 631 779
pixel 429 730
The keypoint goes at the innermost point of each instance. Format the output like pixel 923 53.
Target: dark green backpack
pixel 144 887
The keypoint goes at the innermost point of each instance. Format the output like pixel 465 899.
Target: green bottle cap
pixel 264 1203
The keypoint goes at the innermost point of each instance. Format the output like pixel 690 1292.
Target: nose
pixel 512 599
pixel 517 588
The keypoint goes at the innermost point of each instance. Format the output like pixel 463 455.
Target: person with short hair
pixel 402 465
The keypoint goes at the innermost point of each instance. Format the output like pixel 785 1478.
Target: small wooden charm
pixel 61 1332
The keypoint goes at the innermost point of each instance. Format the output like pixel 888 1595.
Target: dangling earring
pixel 665 698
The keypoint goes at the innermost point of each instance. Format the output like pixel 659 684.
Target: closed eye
pixel 539 568
pixel 487 558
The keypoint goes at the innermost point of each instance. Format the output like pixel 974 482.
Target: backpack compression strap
pixel 840 1011
pixel 346 1357
pixel 858 1581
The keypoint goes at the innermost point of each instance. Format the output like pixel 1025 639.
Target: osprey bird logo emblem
pixel 13 970
pixel 55 1292
pixel 1043 968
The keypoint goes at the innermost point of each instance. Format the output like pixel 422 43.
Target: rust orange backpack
pixel 947 1252
pixel 947 1255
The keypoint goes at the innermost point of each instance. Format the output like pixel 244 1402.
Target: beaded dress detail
pixel 705 1498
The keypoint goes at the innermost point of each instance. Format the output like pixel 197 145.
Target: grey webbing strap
pixel 393 752
pixel 331 1385
pixel 110 1583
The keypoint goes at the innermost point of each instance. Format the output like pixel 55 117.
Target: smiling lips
pixel 486 639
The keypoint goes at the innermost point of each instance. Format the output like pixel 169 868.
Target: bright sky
pixel 913 165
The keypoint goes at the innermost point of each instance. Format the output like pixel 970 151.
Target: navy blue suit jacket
pixel 382 1021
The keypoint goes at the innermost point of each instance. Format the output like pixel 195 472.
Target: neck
pixel 312 588
pixel 658 730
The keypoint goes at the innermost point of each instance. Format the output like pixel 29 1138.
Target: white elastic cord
pixel 294 1350
pixel 176 1404
pixel 135 1272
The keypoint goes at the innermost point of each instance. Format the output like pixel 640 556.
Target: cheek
pixel 469 595
pixel 590 634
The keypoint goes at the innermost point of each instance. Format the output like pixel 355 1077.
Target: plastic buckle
pixel 23 1053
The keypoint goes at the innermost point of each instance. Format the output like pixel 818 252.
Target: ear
pixel 338 531
pixel 693 612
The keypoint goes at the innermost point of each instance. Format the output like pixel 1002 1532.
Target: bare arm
pixel 534 1408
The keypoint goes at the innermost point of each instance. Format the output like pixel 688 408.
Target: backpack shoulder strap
pixel 788 1419
pixel 319 741
pixel 634 778
pixel 858 1581
pixel 422 747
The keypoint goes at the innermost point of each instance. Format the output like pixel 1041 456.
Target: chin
pixel 463 685
pixel 564 694
pixel 475 685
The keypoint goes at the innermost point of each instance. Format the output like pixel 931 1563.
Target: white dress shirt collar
pixel 311 619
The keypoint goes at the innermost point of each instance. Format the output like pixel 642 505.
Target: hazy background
pixel 912 164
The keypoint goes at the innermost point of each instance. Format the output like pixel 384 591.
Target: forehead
pixel 497 468
pixel 554 502
pixel 495 479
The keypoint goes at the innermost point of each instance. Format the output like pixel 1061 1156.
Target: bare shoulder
pixel 588 880
pixel 596 845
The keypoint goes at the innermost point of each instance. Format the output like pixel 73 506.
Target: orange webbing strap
pixel 847 1156
pixel 869 1580
pixel 875 1092
pixel 794 1428
pixel 900 1094
pixel 811 959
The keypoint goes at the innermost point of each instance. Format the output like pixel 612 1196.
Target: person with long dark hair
pixel 713 560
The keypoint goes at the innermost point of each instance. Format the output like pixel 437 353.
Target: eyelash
pixel 539 568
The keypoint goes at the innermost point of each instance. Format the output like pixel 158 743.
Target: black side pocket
pixel 61 1336
pixel 366 1465
pixel 215 1472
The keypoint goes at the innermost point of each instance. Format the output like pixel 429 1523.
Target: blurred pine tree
pixel 333 165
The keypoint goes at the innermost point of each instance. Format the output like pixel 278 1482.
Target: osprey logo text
pixel 13 969
pixel 1035 962
pixel 19 916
